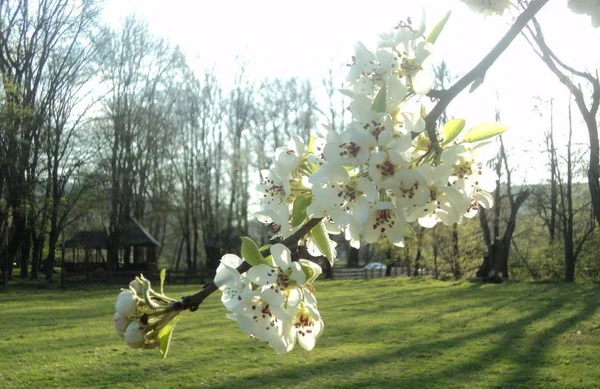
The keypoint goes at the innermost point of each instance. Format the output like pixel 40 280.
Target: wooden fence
pixel 185 277
pixel 125 276
pixel 341 273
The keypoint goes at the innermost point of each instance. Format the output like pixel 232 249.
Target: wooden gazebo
pixel 137 251
pixel 88 250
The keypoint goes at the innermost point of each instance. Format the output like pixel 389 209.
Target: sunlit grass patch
pixel 378 333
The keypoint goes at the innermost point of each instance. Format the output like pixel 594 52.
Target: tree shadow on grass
pixel 511 345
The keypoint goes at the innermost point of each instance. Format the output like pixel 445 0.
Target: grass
pixel 384 333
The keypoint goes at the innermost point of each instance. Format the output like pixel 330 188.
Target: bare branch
pixel 479 70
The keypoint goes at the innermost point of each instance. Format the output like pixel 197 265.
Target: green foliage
pixel 535 257
pixel 299 209
pixel 451 129
pixel 321 240
pixel 310 269
pixel 251 252
pixel 164 337
pixel 385 333
pixel 439 27
pixel 380 102
pixel 484 131
pixel 438 239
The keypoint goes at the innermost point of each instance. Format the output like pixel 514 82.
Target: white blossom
pixel 127 303
pixel 488 7
pixel 588 7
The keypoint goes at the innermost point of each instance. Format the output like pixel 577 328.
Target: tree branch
pixel 192 302
pixel 446 96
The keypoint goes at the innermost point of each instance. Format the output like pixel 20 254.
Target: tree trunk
pixel 327 269
pixel 569 261
pixel 456 270
pixel 112 255
pixel 419 252
pixel 36 259
pixel 353 258
pixel 435 265
pixel 25 252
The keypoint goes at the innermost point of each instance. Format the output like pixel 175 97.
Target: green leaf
pixel 433 35
pixel 269 257
pixel 310 269
pixel 299 210
pixel 251 253
pixel 164 337
pixel 163 276
pixel 380 102
pixel 484 131
pixel 321 239
pixel 266 246
pixel 451 129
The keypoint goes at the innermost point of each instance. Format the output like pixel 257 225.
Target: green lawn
pixel 386 333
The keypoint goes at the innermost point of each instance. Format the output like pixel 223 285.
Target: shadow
pixel 500 342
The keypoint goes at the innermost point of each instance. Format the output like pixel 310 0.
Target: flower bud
pixel 126 303
pixel 136 285
pixel 120 323
pixel 134 335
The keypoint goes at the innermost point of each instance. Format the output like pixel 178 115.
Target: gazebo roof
pixel 132 233
pixel 93 239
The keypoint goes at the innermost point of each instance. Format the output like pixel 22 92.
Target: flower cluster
pixel 382 172
pixel 488 7
pixel 273 301
pixel 143 317
pixel 389 168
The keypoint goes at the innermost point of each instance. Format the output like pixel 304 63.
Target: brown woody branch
pixel 192 302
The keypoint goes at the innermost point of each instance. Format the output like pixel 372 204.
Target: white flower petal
pixel 126 303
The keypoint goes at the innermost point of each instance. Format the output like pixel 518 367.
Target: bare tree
pixel 336 109
pixel 547 203
pixel 585 88
pixel 40 53
pixel 238 115
pixel 498 230
pixel 197 159
pixel 574 235
pixel 138 70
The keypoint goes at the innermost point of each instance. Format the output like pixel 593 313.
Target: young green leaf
pixel 163 276
pixel 484 131
pixel 451 129
pixel 299 210
pixel 380 102
pixel 164 337
pixel 251 253
pixel 310 269
pixel 319 236
pixel 433 35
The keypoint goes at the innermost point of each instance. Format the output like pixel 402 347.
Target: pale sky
pixel 304 39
